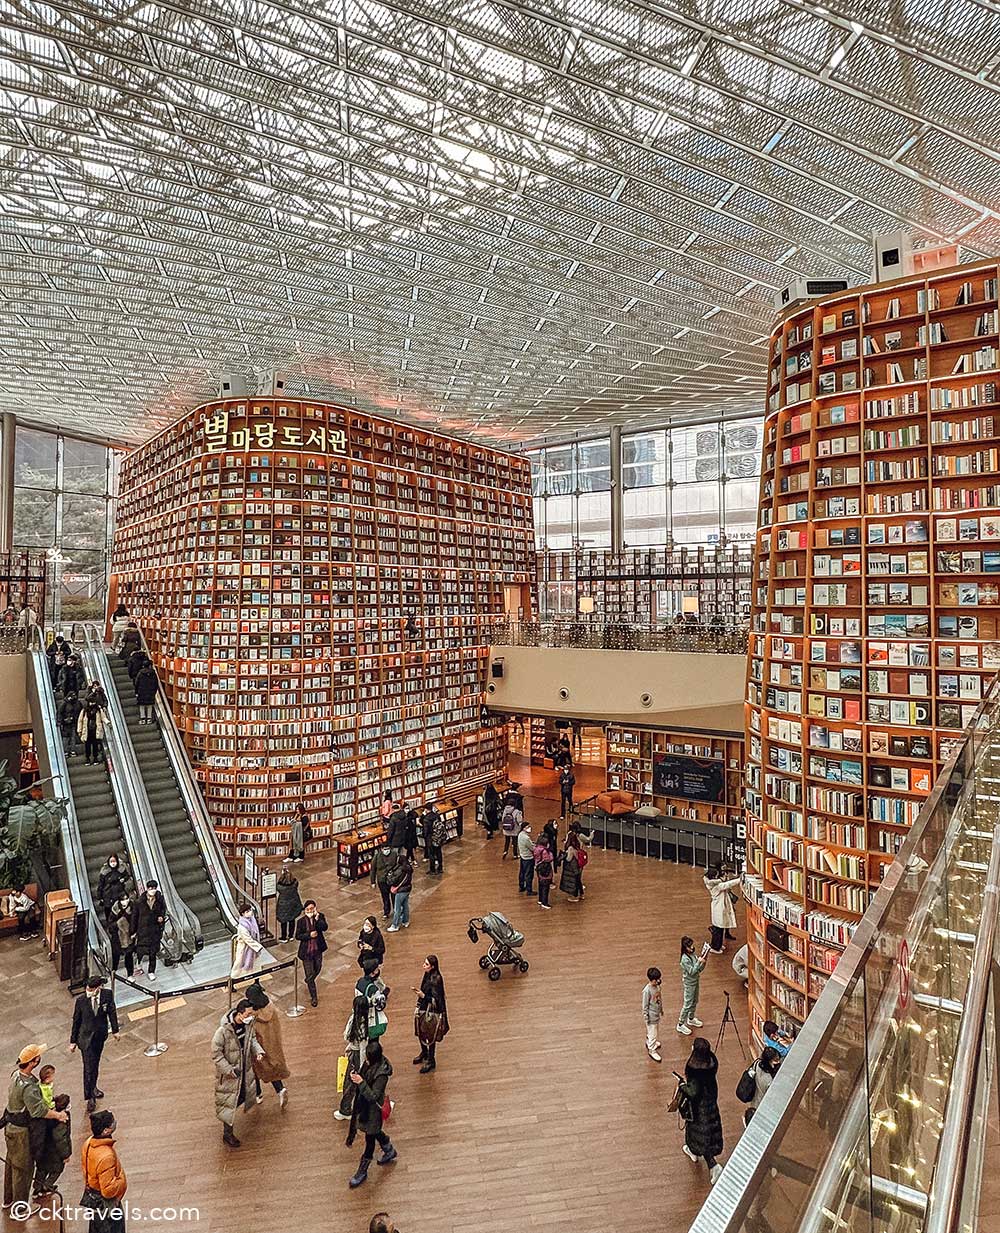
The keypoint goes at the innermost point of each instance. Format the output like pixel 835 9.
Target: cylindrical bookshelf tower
pixel 316 587
pixel 875 604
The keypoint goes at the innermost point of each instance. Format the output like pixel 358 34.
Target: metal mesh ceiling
pixel 509 221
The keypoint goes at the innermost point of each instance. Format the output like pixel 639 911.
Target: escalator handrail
pixel 40 682
pixel 130 793
pixel 226 889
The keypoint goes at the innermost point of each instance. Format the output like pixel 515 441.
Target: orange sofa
pixel 615 803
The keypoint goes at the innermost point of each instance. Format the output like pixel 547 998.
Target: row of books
pixel 968 594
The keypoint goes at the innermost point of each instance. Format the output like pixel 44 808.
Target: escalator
pixel 91 828
pixel 189 870
pixel 96 816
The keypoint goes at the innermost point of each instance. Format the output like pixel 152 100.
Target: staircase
pixel 177 836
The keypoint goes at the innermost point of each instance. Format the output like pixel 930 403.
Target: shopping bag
pixel 341 1072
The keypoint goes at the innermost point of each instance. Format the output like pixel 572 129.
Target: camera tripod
pixel 729 1017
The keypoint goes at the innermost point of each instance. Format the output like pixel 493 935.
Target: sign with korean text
pixel 220 433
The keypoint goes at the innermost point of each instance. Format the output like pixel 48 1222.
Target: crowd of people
pixel 247 1049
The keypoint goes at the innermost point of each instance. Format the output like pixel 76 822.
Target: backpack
pixel 582 858
pixel 377 1022
pixel 544 869
pixel 746 1089
pixel 681 1104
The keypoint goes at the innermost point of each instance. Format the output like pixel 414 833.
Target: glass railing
pixel 620 636
pixel 875 1120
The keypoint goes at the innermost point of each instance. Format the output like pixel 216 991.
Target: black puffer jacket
pixel 369 1098
pixel 703 1134
pixel 146 683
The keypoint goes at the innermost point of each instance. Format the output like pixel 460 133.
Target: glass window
pixel 741 445
pixel 84 521
pixel 35 458
pixel 559 522
pixel 85 466
pixel 694 455
pixel 82 585
pixel 741 509
pixel 560 471
pixel 538 505
pixel 61 501
pixel 537 458
pixel 644 459
pixel 34 518
pixel 644 513
pixel 593 516
pixel 694 510
pixel 593 462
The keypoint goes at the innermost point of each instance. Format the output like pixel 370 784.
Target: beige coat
pixel 81 725
pixel 723 916
pixel 244 943
pixel 227 1058
pixel 267 1025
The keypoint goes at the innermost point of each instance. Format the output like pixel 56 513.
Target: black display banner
pixel 692 779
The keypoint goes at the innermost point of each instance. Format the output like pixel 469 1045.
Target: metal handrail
pixel 133 804
pixel 228 891
pixel 39 684
pixel 730 1198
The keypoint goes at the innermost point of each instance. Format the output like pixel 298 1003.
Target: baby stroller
pixel 504 945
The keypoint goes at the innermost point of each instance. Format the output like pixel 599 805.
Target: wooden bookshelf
pixel 273 552
pixel 875 603
pixel 629 586
pixel 536 730
pixel 22 580
pixel 711 764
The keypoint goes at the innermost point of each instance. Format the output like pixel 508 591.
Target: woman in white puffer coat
pixel 723 915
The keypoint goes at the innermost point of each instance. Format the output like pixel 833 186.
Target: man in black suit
pixel 93 1015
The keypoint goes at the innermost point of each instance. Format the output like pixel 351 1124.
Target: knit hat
pixel 256 996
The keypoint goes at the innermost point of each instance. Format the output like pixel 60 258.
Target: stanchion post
pixel 158 1046
pixel 295 1009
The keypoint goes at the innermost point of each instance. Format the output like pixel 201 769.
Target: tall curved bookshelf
pixel 274 552
pixel 875 601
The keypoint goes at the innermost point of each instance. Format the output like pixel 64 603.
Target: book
pixel 878 742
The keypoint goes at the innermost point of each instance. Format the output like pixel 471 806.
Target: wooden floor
pixel 545 1110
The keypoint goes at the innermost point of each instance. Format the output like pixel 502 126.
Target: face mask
pixel 249 1018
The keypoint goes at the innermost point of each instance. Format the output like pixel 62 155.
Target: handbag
pixel 307 832
pixel 386 1110
pixel 342 1064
